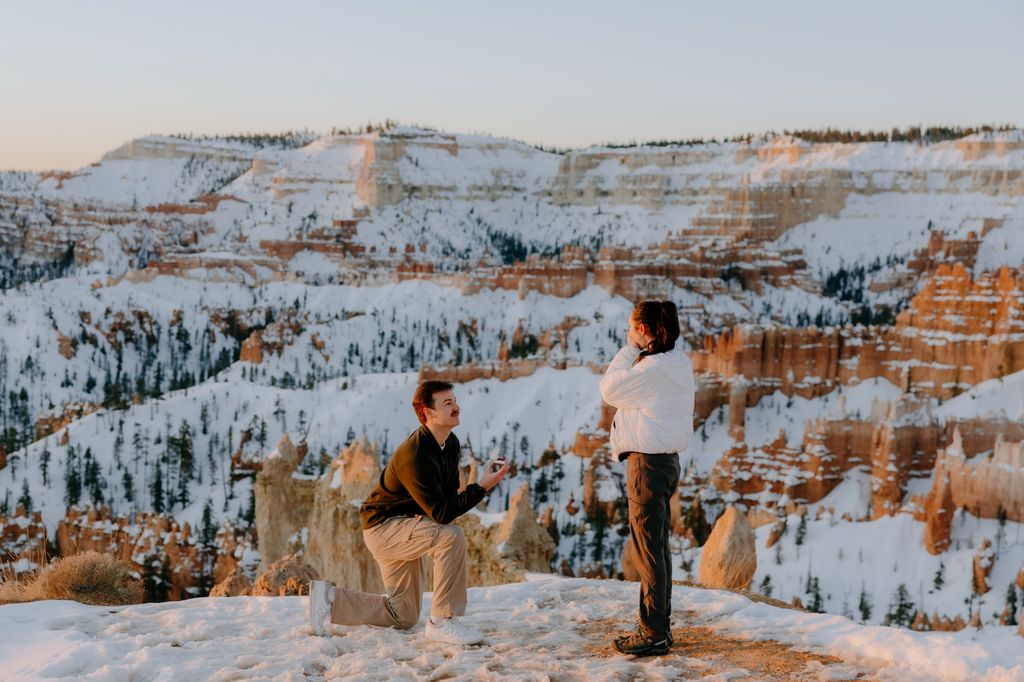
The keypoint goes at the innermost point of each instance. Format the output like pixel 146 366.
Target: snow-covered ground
pixel 545 629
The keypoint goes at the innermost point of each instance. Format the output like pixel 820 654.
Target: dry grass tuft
pixel 90 578
pixel 11 592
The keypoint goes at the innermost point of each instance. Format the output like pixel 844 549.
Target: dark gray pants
pixel 651 480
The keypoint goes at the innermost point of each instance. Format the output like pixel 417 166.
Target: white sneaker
pixel 320 604
pixel 452 631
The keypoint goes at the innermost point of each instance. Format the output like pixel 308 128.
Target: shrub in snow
pixel 90 578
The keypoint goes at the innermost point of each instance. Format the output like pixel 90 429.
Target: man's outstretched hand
pixel 492 478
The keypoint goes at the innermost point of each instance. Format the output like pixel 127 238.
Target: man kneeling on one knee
pixel 407 518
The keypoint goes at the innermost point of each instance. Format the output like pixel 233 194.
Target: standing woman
pixel 650 381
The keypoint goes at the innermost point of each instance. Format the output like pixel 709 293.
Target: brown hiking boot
pixel 639 644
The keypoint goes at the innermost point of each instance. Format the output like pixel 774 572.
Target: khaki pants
pixel 401 546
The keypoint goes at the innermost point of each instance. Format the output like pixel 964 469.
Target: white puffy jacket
pixel 655 401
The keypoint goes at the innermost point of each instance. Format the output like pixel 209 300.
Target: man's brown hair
pixel 424 397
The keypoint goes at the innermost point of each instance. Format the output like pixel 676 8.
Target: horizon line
pixel 390 124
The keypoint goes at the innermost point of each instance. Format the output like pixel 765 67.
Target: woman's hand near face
pixel 636 339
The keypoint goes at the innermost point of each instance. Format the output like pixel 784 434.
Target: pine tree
pixel 118 444
pixel 208 531
pixel 766 586
pixel 261 436
pixel 901 610
pixel 129 486
pixel 940 576
pixel 137 447
pixel 204 418
pixel 1011 604
pixel 801 530
pixel 250 512
pixel 185 452
pixel 600 525
pixel 540 489
pixel 94 479
pixel 182 445
pixel 165 579
pixel 864 605
pixel 157 491
pixel 44 465
pixel 72 486
pixel 26 500
pixel 158 380
pixel 817 604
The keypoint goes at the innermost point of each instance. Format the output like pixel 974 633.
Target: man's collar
pixel 428 434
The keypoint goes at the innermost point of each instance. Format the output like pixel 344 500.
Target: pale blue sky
pixel 80 78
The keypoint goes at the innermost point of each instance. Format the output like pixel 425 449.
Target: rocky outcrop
pixel 282 503
pixel 946 624
pixel 271 339
pixel 500 370
pixel 946 250
pixel 150 541
pixel 316 520
pixel 334 546
pixel 957 332
pixel 484 563
pixel 775 534
pixel 286 577
pixel 939 510
pixel 729 557
pixel 52 423
pixel 521 538
pixel 22 537
pixel 921 622
pixel 893 449
pixel 360 468
pixel 889 472
pixel 252 349
pixel 984 560
pixel 984 485
pixel 237 584
pixel 601 494
pixel 593 442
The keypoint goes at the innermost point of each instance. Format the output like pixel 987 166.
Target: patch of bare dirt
pixel 701 649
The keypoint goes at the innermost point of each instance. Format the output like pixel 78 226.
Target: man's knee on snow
pixel 406 616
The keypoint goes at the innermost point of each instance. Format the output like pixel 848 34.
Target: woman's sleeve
pixel 626 385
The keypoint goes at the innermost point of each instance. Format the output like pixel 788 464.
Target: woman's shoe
pixel 639 644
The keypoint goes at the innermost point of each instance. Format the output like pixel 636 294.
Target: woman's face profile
pixel 637 333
